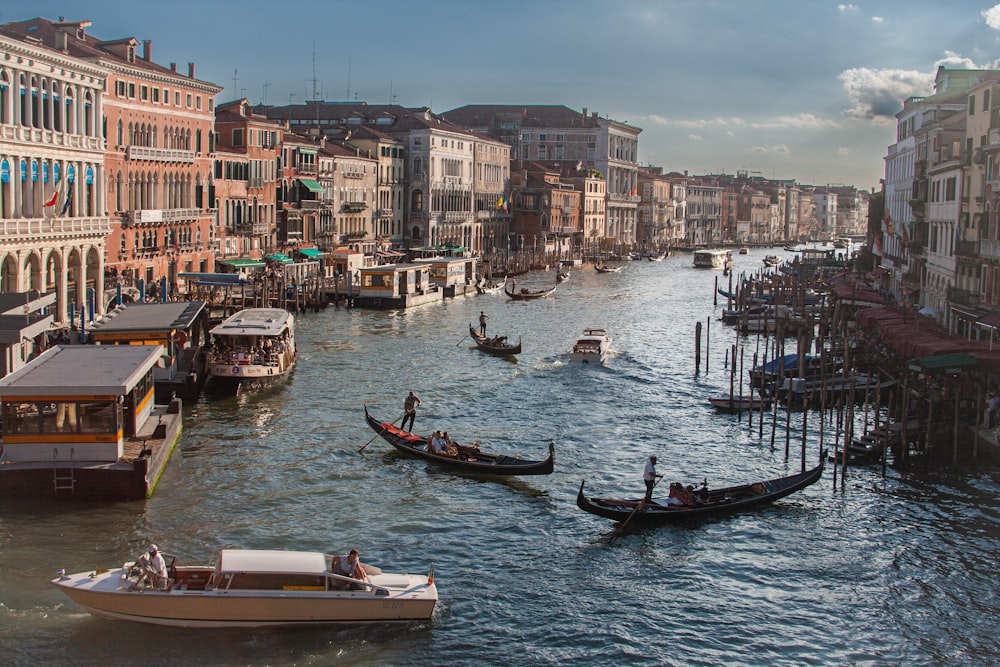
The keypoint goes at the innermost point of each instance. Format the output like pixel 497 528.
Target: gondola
pixel 469 459
pixel 607 268
pixel 524 294
pixel 489 288
pixel 713 502
pixel 496 346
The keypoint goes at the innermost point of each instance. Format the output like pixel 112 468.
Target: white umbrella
pixel 929 311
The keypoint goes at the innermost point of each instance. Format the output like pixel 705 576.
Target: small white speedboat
pixel 249 587
pixel 592 346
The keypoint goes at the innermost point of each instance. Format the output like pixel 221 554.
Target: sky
pixel 788 89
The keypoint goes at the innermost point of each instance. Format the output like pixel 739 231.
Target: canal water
pixel 887 570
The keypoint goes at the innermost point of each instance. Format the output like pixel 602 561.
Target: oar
pixel 393 422
pixel 639 506
pixel 463 337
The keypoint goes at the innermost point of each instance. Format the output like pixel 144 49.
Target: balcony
pixel 355 206
pixel 251 229
pixel 989 249
pixel 353 173
pixel 962 297
pixel 158 154
pixel 967 249
pixel 457 217
pixel 383 213
pixel 18 230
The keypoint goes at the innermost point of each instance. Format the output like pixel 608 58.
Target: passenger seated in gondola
pixel 683 495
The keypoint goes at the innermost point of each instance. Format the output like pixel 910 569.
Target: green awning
pixel 278 257
pixel 311 185
pixel 242 263
pixel 311 252
pixel 943 363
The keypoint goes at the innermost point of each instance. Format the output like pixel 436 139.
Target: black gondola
pixel 711 502
pixel 497 346
pixel 524 294
pixel 469 459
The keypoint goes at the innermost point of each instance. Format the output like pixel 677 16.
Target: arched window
pixel 120 134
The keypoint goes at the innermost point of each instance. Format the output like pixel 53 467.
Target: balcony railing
pixel 962 297
pixel 989 249
pixel 967 249
pixel 21 229
pixel 158 154
pixel 50 138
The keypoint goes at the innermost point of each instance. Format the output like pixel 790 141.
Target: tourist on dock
pixel 649 477
pixel 409 411
pixel 482 322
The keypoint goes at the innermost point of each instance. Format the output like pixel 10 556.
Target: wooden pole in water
pixel 749 390
pixel 715 292
pixel 732 374
pixel 708 332
pixel 954 435
pixel 739 406
pixel 697 347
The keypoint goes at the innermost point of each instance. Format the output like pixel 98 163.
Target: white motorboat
pixel 726 403
pixel 247 587
pixel 713 259
pixel 252 348
pixel 592 346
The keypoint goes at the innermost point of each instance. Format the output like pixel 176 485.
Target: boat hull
pixel 719 502
pixel 469 460
pixel 410 598
pixel 739 403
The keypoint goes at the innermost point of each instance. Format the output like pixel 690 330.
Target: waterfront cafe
pixel 452 275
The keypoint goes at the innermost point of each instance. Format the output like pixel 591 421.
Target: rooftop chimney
pixel 173 67
pixel 147 50
pixel 191 70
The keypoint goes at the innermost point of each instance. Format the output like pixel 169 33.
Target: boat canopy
pixel 250 560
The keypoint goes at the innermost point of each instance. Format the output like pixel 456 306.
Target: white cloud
pixel 843 151
pixel 953 60
pixel 992 16
pixel 847 8
pixel 694 137
pixel 878 19
pixel 879 93
pixel 659 120
pixel 777 148
pixel 803 120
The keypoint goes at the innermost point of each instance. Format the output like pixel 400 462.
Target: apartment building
pixel 245 179
pixel 52 165
pixel 556 132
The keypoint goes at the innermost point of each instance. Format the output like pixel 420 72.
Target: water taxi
pixel 713 259
pixel 252 348
pixel 249 587
pixel 593 345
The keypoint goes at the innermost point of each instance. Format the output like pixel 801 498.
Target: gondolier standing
pixel 649 476
pixel 410 411
pixel 482 322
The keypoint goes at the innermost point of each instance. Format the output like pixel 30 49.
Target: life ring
pixel 180 338
pixel 236 370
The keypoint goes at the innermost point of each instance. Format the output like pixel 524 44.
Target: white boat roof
pixel 254 560
pixel 255 322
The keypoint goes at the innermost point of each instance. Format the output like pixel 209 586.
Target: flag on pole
pixel 500 203
pixel 55 197
pixel 69 199
pixel 506 204
pixel 888 223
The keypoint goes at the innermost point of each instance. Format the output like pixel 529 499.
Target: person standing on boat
pixel 482 322
pixel 156 567
pixel 649 477
pixel 409 411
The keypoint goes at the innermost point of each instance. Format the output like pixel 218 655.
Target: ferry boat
pixel 249 588
pixel 593 345
pixel 713 259
pixel 252 348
